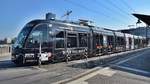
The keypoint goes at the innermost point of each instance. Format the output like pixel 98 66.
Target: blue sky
pixel 112 14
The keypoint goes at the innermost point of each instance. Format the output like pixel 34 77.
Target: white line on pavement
pixel 133 69
pixel 129 68
pixel 130 58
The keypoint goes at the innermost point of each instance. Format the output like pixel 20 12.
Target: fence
pixel 5 49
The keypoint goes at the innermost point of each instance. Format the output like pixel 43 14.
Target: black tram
pixel 57 40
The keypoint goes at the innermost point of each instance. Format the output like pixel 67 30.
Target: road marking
pixel 105 71
pixel 77 76
pixel 133 69
pixel 129 68
pixel 130 58
pixel 41 69
pixel 78 82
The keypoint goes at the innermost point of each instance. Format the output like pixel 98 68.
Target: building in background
pixel 5 46
pixel 6 41
pixel 140 31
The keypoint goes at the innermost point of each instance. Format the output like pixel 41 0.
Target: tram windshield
pixel 22 36
pixel 40 35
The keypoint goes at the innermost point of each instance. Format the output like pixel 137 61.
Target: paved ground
pixel 29 76
pixel 51 73
pixel 12 74
pixel 132 70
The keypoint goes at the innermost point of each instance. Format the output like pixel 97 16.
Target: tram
pixel 56 40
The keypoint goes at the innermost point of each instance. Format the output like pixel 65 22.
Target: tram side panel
pixel 132 42
pixel 120 41
pixel 135 41
pixel 127 41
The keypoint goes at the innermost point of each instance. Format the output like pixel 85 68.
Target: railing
pixel 5 49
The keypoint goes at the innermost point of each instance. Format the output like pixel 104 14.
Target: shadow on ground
pixel 97 62
pixel 7 64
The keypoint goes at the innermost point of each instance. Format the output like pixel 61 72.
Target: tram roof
pixel 100 30
pixel 119 34
pixel 57 22
pixel 103 31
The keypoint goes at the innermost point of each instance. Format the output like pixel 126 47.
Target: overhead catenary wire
pixel 93 11
pixel 127 5
pixel 107 8
pixel 121 10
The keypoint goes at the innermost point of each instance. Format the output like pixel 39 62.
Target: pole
pixel 146 36
pixel 40 51
pixel 0 51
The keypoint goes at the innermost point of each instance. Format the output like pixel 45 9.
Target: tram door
pixel 130 43
pixel 59 42
pixel 65 43
pixel 71 44
pixel 110 43
pixel 71 40
pixel 98 43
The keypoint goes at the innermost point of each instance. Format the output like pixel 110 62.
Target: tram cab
pixel 34 36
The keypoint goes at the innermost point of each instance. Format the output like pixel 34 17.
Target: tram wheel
pixel 20 60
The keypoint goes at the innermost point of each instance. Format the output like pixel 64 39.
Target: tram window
pixel 50 38
pixel 101 39
pixel 82 40
pixel 110 40
pixel 72 40
pixel 136 41
pixel 120 41
pixel 60 35
pixel 37 36
pixel 60 40
pixel 97 39
pixel 71 35
pixel 130 41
